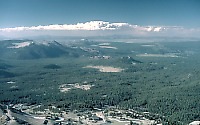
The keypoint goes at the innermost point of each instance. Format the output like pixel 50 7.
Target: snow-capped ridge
pixel 20 45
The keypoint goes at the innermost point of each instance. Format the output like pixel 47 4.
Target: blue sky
pixel 141 12
pixel 174 18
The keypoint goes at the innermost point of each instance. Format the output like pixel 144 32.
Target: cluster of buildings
pixel 105 116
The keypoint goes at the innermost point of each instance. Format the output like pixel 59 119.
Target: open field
pixel 158 55
pixel 68 87
pixel 105 68
pixel 108 47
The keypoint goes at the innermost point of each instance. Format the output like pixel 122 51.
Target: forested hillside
pixel 158 77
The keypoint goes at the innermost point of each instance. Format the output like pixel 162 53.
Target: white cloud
pixel 100 28
pixel 92 25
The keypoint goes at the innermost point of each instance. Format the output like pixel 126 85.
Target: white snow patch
pixel 20 45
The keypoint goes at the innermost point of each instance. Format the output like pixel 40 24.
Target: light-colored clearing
pixel 148 45
pixel 104 44
pixel 20 45
pixel 13 87
pixel 153 63
pixel 68 87
pixel 105 68
pixel 108 47
pixel 11 82
pixel 83 87
pixel 157 55
pixel 64 89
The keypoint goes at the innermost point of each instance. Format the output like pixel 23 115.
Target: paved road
pixel 1 112
pixel 28 118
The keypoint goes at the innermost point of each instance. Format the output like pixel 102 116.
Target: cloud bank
pixel 96 28
pixel 92 25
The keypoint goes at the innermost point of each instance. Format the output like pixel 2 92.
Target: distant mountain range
pixel 29 49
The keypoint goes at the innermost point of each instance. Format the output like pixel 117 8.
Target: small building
pixel 95 118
